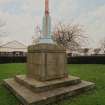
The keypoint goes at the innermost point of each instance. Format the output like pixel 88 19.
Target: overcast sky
pixel 22 16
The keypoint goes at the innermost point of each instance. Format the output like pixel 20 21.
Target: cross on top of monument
pixel 46 7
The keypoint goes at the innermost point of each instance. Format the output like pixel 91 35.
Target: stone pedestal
pixel 47 80
pixel 46 62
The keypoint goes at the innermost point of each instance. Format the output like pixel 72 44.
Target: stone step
pixel 27 97
pixel 38 86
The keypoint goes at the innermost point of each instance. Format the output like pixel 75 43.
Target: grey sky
pixel 22 16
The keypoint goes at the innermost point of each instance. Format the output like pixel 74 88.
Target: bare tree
pixel 97 51
pixel 85 51
pixel 102 43
pixel 37 35
pixel 70 36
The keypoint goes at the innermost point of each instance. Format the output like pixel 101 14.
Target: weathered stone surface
pixel 27 97
pixel 46 62
pixel 38 86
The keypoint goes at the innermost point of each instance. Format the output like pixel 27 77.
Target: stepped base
pixel 28 97
pixel 38 86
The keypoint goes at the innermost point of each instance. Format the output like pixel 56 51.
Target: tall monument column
pixel 46 27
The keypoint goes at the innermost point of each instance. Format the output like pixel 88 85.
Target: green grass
pixel 94 73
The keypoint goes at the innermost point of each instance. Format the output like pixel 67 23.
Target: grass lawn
pixel 94 73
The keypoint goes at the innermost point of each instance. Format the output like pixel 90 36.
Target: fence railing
pixel 96 59
pixel 12 54
pixel 13 59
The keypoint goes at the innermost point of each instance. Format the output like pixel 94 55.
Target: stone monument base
pixel 47 79
pixel 33 92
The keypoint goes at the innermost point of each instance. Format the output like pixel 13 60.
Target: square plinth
pixel 28 97
pixel 46 62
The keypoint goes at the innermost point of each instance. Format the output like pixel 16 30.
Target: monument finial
pixel 46 7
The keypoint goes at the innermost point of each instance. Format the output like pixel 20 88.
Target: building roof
pixel 14 44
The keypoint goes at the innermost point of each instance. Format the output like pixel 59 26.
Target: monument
pixel 47 79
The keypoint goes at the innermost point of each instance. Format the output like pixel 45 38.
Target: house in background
pixel 13 48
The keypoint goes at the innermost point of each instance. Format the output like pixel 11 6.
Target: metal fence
pixel 12 54
pixel 96 59
pixel 20 57
pixel 13 57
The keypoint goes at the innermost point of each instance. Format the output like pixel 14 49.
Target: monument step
pixel 27 97
pixel 38 86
